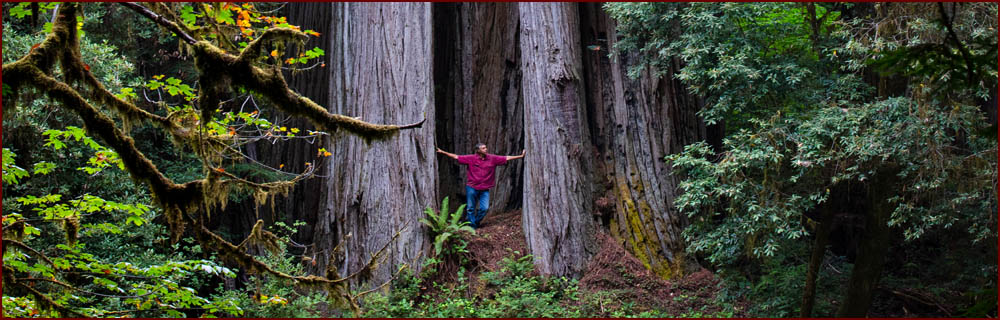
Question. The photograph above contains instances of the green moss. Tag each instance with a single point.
(642, 242)
(72, 227)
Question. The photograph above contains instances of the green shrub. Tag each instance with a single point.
(517, 294)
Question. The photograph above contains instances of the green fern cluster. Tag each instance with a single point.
(445, 226)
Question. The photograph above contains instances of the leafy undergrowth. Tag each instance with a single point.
(499, 280)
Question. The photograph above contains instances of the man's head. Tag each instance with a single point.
(481, 149)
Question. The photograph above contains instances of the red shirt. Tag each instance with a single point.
(480, 173)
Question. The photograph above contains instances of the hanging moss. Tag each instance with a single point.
(15, 231)
(262, 238)
(72, 227)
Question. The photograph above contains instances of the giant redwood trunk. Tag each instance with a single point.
(478, 93)
(381, 72)
(557, 212)
(635, 124)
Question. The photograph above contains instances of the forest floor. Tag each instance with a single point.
(612, 270)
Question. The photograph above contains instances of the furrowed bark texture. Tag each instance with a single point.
(557, 212)
(380, 71)
(478, 77)
(635, 124)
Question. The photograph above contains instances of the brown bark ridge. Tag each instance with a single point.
(635, 124)
(478, 95)
(381, 71)
(557, 212)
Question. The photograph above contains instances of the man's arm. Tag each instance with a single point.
(516, 157)
(450, 155)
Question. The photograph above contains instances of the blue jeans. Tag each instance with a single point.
(476, 204)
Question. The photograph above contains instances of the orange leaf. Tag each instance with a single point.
(86, 67)
(34, 46)
(327, 154)
(220, 169)
(106, 271)
(274, 53)
(290, 60)
(308, 164)
(281, 166)
(322, 65)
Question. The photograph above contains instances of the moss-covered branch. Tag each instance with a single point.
(239, 71)
(44, 301)
(270, 83)
(23, 246)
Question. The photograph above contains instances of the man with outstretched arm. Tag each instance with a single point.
(479, 180)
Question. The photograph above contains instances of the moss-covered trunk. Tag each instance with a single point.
(635, 123)
(558, 193)
(381, 71)
(478, 94)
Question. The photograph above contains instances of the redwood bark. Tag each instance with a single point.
(636, 123)
(478, 94)
(557, 212)
(380, 71)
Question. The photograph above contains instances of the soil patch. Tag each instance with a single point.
(499, 233)
(612, 269)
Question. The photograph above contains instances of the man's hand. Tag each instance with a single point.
(517, 157)
(450, 155)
